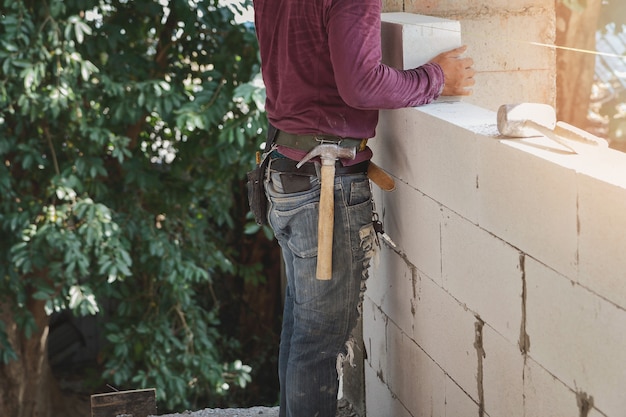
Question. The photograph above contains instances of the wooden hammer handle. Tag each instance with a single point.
(326, 223)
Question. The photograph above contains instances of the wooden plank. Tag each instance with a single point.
(138, 403)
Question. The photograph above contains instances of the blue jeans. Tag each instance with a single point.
(319, 316)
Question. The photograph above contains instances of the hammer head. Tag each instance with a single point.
(329, 153)
(512, 119)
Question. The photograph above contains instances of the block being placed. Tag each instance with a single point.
(410, 40)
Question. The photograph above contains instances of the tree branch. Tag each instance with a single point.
(46, 132)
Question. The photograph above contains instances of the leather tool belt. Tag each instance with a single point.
(299, 179)
(296, 180)
(289, 166)
(308, 142)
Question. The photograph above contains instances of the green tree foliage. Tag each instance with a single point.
(125, 130)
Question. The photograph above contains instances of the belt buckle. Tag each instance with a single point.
(360, 146)
(322, 140)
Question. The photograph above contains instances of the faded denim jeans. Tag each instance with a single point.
(319, 316)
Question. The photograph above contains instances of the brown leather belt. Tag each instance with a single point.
(308, 142)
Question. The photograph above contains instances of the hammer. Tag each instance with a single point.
(329, 153)
(526, 120)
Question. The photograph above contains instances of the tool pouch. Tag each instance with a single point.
(256, 192)
(256, 181)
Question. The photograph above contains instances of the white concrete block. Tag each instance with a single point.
(401, 32)
(444, 329)
(413, 221)
(484, 273)
(602, 237)
(400, 304)
(577, 336)
(595, 413)
(546, 396)
(435, 157)
(529, 199)
(378, 282)
(503, 376)
(375, 337)
(418, 382)
(379, 401)
(392, 287)
(382, 272)
(458, 403)
(472, 118)
(604, 164)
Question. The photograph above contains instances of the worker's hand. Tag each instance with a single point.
(458, 72)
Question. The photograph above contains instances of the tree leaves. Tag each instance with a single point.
(77, 27)
(126, 130)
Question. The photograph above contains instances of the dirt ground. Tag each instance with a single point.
(79, 406)
(344, 410)
(229, 412)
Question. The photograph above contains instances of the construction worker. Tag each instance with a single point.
(321, 64)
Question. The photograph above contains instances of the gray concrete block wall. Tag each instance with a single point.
(506, 294)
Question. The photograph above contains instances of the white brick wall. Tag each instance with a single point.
(503, 376)
(546, 396)
(478, 266)
(602, 240)
(577, 336)
(506, 294)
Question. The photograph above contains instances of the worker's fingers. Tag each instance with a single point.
(456, 52)
(467, 62)
(458, 72)
(458, 85)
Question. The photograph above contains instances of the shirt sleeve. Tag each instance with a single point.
(362, 80)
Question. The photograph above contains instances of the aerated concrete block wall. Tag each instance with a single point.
(506, 293)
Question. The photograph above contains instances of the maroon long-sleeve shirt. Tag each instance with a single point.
(321, 64)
